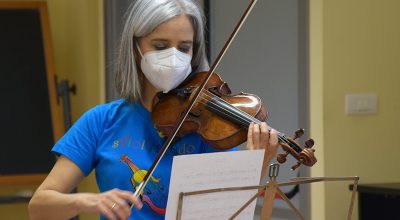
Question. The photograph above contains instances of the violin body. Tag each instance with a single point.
(207, 117)
(221, 119)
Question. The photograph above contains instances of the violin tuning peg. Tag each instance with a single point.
(309, 143)
(297, 164)
(282, 157)
(298, 133)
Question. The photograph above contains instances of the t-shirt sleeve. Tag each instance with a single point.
(80, 142)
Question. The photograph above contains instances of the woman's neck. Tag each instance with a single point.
(148, 95)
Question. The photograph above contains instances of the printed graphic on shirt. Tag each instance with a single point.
(152, 147)
(154, 195)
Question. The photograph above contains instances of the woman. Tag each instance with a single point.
(162, 43)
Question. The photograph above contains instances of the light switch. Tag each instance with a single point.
(361, 104)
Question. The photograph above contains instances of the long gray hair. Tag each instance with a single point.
(142, 18)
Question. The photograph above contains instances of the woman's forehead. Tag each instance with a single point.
(178, 28)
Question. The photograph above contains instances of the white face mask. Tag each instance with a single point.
(166, 69)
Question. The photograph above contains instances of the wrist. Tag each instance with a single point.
(77, 202)
(85, 202)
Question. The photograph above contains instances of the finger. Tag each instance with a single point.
(107, 212)
(264, 138)
(121, 209)
(273, 138)
(256, 136)
(250, 144)
(272, 148)
(129, 196)
(136, 202)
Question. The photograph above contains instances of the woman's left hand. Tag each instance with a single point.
(260, 137)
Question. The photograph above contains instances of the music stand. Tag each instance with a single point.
(270, 189)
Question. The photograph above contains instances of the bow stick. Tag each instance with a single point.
(184, 115)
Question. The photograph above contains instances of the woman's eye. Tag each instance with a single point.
(160, 46)
(185, 49)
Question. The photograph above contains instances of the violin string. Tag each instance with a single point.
(237, 116)
(281, 137)
(241, 118)
(248, 118)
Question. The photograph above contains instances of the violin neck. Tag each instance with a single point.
(242, 118)
(226, 110)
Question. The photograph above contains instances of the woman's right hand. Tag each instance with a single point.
(113, 204)
(52, 200)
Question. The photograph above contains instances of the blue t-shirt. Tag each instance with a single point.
(119, 140)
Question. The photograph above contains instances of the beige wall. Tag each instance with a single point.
(355, 48)
(77, 30)
(77, 37)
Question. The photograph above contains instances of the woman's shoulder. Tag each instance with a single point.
(107, 111)
(109, 106)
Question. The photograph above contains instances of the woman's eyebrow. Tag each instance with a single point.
(187, 41)
(160, 39)
(167, 40)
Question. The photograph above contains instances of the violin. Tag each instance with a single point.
(220, 118)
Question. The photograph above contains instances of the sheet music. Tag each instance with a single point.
(210, 171)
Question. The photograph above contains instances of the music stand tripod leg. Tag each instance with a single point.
(270, 191)
(290, 204)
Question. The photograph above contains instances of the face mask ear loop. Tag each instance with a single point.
(138, 48)
(139, 66)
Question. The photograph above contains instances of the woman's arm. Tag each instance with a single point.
(53, 201)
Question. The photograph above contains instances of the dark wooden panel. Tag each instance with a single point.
(29, 120)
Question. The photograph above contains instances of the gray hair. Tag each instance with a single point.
(142, 18)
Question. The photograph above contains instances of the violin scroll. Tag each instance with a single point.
(303, 155)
